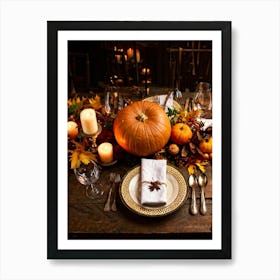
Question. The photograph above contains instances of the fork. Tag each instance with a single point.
(117, 181)
(112, 180)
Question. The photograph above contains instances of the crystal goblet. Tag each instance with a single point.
(203, 99)
(88, 175)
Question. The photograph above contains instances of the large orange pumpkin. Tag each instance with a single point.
(181, 133)
(142, 128)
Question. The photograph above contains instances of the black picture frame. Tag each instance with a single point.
(53, 27)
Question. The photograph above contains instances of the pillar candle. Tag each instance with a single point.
(105, 152)
(89, 121)
(72, 129)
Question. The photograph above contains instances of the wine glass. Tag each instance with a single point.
(203, 99)
(88, 175)
(107, 106)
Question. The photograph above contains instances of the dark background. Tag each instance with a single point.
(92, 63)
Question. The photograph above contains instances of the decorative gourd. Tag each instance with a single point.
(181, 133)
(142, 128)
(205, 145)
(173, 149)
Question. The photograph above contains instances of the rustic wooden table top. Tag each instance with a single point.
(87, 220)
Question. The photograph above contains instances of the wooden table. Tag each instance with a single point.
(87, 220)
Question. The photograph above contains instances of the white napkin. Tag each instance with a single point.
(152, 171)
(207, 123)
(161, 99)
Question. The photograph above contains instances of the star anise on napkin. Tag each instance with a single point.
(155, 186)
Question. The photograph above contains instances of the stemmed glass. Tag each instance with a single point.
(203, 99)
(88, 175)
(107, 106)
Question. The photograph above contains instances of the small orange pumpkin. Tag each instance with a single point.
(181, 133)
(205, 145)
(142, 128)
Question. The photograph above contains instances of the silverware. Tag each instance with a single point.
(107, 204)
(117, 181)
(202, 182)
(192, 184)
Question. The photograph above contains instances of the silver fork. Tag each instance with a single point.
(117, 181)
(112, 180)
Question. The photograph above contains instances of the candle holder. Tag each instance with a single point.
(107, 164)
(93, 137)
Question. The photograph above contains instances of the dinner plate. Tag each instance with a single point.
(176, 192)
(154, 99)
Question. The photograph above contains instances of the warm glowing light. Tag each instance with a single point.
(89, 121)
(105, 152)
(72, 129)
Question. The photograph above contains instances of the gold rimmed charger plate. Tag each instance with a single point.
(176, 192)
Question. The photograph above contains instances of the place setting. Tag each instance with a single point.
(153, 189)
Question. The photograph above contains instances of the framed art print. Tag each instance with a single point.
(139, 140)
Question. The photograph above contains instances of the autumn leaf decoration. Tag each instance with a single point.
(95, 102)
(188, 117)
(154, 186)
(80, 155)
(76, 104)
(199, 164)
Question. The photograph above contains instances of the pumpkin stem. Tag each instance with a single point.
(142, 117)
